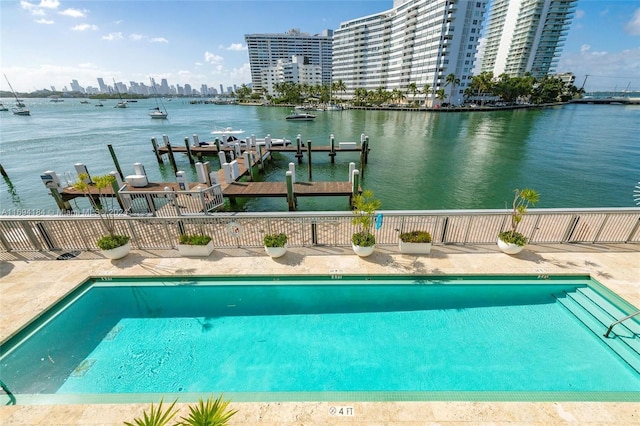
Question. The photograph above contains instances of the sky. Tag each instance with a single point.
(45, 43)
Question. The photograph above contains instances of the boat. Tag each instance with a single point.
(20, 108)
(122, 103)
(54, 98)
(300, 116)
(3, 108)
(84, 102)
(226, 131)
(99, 104)
(157, 112)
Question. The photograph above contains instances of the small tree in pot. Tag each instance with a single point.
(512, 241)
(113, 245)
(275, 244)
(364, 207)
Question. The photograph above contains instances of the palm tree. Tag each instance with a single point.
(426, 89)
(454, 81)
(413, 89)
(440, 95)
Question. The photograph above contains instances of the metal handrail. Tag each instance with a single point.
(619, 321)
(12, 398)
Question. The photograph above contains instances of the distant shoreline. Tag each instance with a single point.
(425, 109)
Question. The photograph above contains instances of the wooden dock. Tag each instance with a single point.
(279, 189)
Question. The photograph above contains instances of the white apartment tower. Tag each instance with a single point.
(292, 71)
(526, 36)
(417, 41)
(265, 50)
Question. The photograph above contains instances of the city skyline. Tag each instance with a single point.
(50, 42)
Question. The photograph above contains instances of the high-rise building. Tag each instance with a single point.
(265, 50)
(526, 36)
(416, 42)
(291, 71)
(103, 87)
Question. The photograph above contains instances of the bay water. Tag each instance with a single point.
(574, 155)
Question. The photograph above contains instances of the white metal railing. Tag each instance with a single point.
(198, 201)
(305, 229)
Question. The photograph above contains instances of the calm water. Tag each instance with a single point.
(391, 336)
(575, 155)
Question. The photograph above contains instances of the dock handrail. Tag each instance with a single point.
(619, 321)
(12, 398)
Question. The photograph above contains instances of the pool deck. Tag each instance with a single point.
(31, 282)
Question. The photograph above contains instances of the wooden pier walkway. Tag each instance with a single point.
(279, 189)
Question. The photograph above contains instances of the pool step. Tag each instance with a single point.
(597, 318)
(606, 313)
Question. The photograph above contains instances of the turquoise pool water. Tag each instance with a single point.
(353, 334)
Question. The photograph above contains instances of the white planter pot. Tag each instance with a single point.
(509, 248)
(276, 251)
(414, 248)
(189, 250)
(363, 251)
(118, 252)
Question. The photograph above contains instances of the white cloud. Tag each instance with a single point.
(158, 40)
(605, 69)
(84, 27)
(212, 58)
(44, 21)
(49, 4)
(579, 14)
(633, 26)
(585, 48)
(74, 13)
(113, 36)
(237, 47)
(136, 37)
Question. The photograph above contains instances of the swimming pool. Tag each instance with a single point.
(322, 338)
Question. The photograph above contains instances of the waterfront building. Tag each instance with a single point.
(526, 36)
(293, 71)
(265, 50)
(416, 42)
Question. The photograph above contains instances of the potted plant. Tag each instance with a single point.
(512, 241)
(275, 244)
(415, 242)
(113, 246)
(365, 205)
(195, 245)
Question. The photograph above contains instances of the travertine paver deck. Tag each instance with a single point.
(30, 283)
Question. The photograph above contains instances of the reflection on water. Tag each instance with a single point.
(575, 156)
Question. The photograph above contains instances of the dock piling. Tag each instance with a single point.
(188, 146)
(299, 148)
(154, 143)
(172, 159)
(291, 199)
(115, 161)
(309, 160)
(332, 153)
(2, 172)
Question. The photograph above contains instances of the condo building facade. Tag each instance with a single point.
(293, 71)
(417, 41)
(526, 36)
(272, 50)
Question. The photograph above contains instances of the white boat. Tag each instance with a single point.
(157, 112)
(20, 108)
(231, 140)
(300, 117)
(3, 108)
(226, 131)
(122, 103)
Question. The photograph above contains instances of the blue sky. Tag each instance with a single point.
(46, 43)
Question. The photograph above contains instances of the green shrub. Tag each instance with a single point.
(109, 242)
(210, 413)
(512, 237)
(156, 416)
(275, 240)
(416, 237)
(194, 239)
(363, 239)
